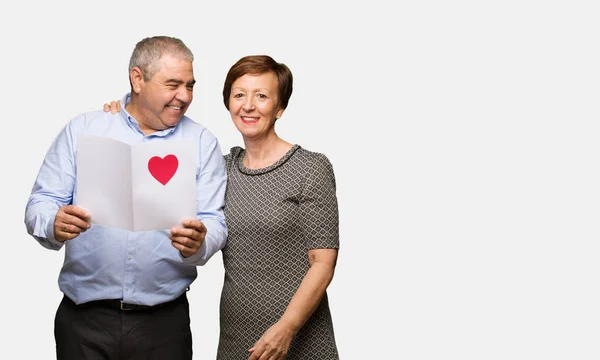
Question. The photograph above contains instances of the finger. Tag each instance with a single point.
(254, 346)
(182, 232)
(264, 354)
(115, 106)
(267, 354)
(63, 236)
(106, 108)
(187, 232)
(77, 222)
(275, 355)
(194, 224)
(178, 246)
(186, 242)
(76, 211)
(184, 250)
(73, 229)
(67, 217)
(253, 356)
(257, 351)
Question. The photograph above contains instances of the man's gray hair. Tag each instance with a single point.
(148, 52)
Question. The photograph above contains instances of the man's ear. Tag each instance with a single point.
(137, 79)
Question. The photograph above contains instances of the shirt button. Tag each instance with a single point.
(129, 257)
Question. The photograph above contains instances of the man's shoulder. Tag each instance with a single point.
(191, 127)
(188, 122)
(91, 119)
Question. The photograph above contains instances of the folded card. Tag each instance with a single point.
(148, 186)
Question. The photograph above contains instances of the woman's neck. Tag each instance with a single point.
(261, 153)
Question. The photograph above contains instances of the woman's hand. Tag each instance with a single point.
(113, 108)
(274, 344)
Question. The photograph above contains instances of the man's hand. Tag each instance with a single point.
(189, 238)
(69, 222)
(114, 107)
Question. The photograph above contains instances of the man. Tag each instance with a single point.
(124, 292)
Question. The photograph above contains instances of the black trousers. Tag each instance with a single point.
(101, 330)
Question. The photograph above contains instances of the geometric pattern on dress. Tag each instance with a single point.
(274, 216)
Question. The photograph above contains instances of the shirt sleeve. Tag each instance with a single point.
(211, 183)
(319, 206)
(52, 189)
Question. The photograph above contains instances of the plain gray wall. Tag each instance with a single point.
(463, 135)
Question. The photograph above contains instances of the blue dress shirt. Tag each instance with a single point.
(108, 263)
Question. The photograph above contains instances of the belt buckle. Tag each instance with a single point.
(127, 307)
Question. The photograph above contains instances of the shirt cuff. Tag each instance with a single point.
(50, 234)
(197, 257)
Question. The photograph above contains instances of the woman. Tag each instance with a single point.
(281, 212)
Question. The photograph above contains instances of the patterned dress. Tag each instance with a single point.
(274, 216)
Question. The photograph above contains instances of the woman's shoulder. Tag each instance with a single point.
(316, 169)
(313, 164)
(234, 153)
(312, 157)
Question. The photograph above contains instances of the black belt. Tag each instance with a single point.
(119, 304)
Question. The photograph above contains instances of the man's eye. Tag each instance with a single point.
(190, 87)
(172, 86)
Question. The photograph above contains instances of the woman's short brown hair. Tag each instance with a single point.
(260, 64)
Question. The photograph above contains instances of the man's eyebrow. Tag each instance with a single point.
(178, 81)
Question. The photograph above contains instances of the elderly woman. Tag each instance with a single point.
(282, 215)
(281, 212)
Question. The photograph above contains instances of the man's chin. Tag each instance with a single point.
(172, 122)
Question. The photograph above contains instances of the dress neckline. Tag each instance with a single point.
(275, 165)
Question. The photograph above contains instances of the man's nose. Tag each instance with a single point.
(184, 94)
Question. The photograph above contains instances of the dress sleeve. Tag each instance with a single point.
(319, 207)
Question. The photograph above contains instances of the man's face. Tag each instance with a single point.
(165, 97)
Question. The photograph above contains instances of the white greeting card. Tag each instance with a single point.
(149, 186)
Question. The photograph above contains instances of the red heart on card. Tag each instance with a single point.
(163, 169)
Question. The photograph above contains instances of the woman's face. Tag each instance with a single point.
(254, 105)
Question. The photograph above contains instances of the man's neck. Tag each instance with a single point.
(140, 118)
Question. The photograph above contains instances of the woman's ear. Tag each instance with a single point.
(279, 113)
